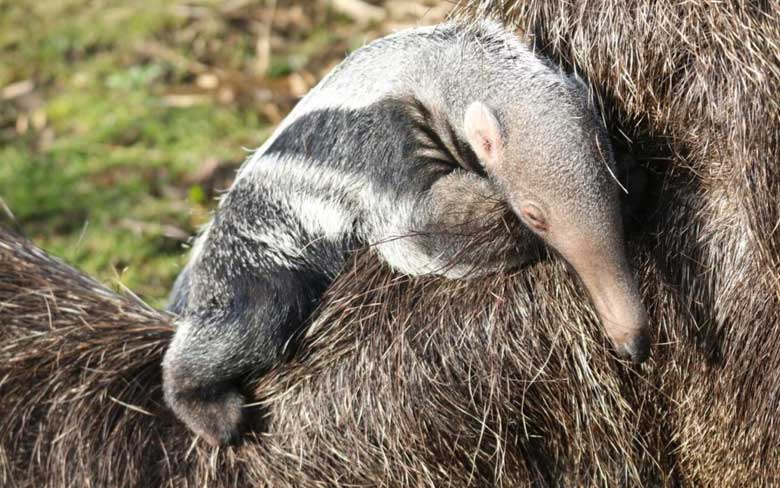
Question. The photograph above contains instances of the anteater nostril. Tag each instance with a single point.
(637, 349)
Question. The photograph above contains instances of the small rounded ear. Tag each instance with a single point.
(534, 217)
(483, 133)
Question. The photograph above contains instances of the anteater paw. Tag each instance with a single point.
(218, 419)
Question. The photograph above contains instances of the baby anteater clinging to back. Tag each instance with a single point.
(405, 147)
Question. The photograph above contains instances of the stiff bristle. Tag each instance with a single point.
(507, 380)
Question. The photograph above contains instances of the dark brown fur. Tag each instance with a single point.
(704, 79)
(507, 380)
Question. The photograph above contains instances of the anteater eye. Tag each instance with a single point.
(534, 217)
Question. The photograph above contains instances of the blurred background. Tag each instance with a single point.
(120, 122)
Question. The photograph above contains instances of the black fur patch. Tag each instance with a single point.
(382, 142)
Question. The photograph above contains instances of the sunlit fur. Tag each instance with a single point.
(502, 384)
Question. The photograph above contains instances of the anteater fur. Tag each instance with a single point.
(376, 155)
(506, 380)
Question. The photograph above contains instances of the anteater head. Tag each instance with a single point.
(552, 160)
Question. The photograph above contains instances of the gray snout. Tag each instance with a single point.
(615, 296)
(638, 349)
(619, 306)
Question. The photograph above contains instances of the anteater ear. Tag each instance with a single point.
(483, 133)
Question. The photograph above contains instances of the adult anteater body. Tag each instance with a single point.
(500, 381)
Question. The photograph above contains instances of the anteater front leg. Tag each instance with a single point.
(459, 227)
(252, 285)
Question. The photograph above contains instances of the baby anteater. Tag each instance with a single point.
(405, 147)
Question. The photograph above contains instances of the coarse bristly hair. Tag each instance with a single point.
(505, 380)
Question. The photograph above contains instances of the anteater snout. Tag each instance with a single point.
(619, 307)
(637, 347)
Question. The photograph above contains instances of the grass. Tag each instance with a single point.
(107, 151)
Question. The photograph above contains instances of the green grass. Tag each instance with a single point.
(111, 168)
